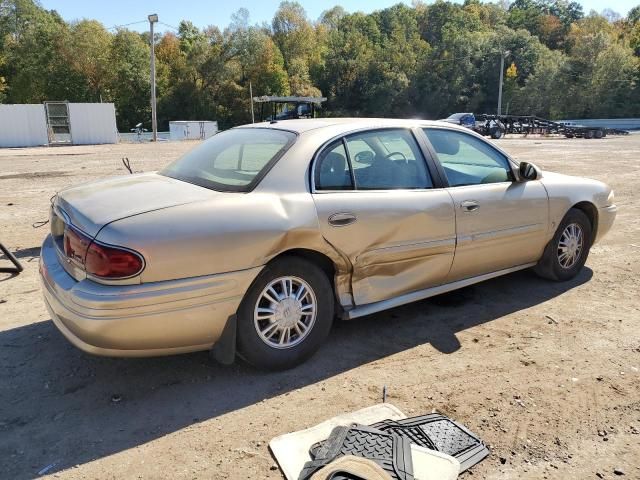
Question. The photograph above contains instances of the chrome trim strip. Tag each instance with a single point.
(426, 293)
(504, 232)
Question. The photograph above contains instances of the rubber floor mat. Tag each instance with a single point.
(437, 432)
(391, 452)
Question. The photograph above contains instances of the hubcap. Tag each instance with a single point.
(570, 245)
(285, 312)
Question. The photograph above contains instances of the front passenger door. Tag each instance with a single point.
(500, 223)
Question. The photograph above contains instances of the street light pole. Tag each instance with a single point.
(502, 57)
(154, 122)
(253, 120)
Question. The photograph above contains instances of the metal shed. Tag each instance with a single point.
(23, 126)
(93, 123)
(57, 123)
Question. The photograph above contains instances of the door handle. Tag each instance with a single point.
(342, 219)
(470, 206)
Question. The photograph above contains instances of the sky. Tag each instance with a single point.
(213, 12)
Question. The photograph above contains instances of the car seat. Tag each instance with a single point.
(333, 175)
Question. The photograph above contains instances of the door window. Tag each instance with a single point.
(386, 160)
(468, 160)
(332, 170)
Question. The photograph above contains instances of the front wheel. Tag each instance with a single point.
(566, 254)
(285, 315)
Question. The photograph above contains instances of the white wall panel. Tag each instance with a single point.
(23, 126)
(93, 123)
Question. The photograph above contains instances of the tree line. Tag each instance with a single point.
(426, 61)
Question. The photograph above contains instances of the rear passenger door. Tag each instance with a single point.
(377, 203)
(500, 223)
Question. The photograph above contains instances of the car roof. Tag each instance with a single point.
(346, 124)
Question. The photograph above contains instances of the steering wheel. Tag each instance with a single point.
(388, 157)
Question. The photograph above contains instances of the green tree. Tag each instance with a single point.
(86, 50)
(130, 84)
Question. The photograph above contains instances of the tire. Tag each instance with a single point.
(553, 265)
(497, 134)
(273, 349)
(589, 134)
(568, 135)
(599, 134)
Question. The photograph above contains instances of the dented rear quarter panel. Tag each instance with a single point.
(236, 232)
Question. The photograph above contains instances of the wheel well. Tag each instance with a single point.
(322, 261)
(317, 258)
(590, 210)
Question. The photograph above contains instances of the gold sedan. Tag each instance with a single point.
(256, 239)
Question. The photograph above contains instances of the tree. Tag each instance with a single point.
(86, 50)
(130, 85)
(428, 60)
(540, 94)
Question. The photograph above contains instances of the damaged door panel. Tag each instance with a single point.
(401, 242)
(396, 230)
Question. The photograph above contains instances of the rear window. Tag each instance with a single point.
(234, 160)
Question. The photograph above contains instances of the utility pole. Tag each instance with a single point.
(502, 57)
(153, 18)
(251, 98)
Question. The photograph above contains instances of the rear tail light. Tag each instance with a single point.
(102, 261)
(112, 262)
(75, 244)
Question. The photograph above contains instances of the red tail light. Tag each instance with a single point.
(111, 262)
(101, 260)
(75, 244)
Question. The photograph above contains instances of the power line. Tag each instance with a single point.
(126, 24)
(170, 26)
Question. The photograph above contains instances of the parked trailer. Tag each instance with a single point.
(495, 126)
(528, 124)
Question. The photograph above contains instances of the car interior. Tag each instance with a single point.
(380, 160)
(467, 160)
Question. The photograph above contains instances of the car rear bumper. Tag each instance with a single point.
(159, 318)
(606, 216)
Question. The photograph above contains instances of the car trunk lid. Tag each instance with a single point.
(93, 205)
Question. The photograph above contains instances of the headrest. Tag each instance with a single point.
(334, 162)
(443, 142)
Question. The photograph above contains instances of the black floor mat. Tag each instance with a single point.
(392, 452)
(440, 433)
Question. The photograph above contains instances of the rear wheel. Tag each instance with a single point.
(566, 254)
(599, 134)
(589, 134)
(285, 315)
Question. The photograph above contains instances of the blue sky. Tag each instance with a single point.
(203, 13)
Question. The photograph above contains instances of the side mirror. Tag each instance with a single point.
(529, 171)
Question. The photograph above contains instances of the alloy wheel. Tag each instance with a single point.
(570, 245)
(285, 312)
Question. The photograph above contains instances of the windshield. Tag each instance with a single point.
(234, 160)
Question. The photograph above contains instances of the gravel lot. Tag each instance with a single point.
(546, 373)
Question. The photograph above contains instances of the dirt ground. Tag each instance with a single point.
(546, 373)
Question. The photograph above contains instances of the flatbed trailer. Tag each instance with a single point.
(530, 124)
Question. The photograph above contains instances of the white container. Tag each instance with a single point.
(92, 123)
(192, 130)
(23, 126)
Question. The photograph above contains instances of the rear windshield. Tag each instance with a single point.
(234, 160)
